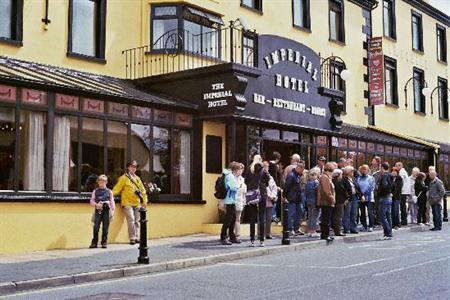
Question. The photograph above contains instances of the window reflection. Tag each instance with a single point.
(162, 159)
(7, 145)
(92, 153)
(117, 150)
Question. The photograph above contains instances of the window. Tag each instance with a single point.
(443, 98)
(390, 81)
(92, 153)
(336, 82)
(301, 13)
(254, 4)
(11, 12)
(185, 28)
(249, 43)
(417, 32)
(389, 18)
(419, 98)
(87, 22)
(7, 146)
(441, 42)
(117, 150)
(336, 20)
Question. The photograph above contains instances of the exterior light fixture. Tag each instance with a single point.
(346, 74)
(431, 94)
(426, 91)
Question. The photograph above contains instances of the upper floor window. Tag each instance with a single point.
(443, 98)
(336, 19)
(11, 20)
(301, 13)
(417, 32)
(336, 82)
(389, 18)
(249, 41)
(87, 22)
(390, 81)
(441, 42)
(254, 4)
(185, 28)
(419, 98)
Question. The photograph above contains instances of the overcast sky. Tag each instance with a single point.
(443, 5)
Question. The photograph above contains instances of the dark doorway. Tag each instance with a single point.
(286, 150)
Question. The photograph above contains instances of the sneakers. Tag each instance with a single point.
(370, 229)
(252, 244)
(261, 243)
(298, 232)
(387, 237)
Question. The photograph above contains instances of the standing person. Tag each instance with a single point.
(427, 183)
(326, 200)
(240, 202)
(257, 180)
(292, 193)
(351, 209)
(396, 198)
(103, 201)
(342, 198)
(436, 192)
(384, 192)
(420, 190)
(366, 184)
(274, 171)
(412, 199)
(311, 200)
(132, 196)
(406, 193)
(342, 163)
(232, 187)
(321, 163)
(375, 170)
(295, 159)
(272, 195)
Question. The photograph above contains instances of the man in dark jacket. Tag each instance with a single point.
(436, 193)
(396, 198)
(384, 192)
(292, 193)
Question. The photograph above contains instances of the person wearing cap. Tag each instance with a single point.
(132, 196)
(321, 163)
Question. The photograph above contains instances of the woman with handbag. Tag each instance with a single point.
(257, 180)
(132, 197)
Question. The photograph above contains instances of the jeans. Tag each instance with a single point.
(325, 221)
(370, 211)
(101, 216)
(385, 206)
(396, 213)
(294, 215)
(228, 224)
(412, 210)
(403, 210)
(350, 215)
(437, 216)
(133, 217)
(313, 216)
(257, 213)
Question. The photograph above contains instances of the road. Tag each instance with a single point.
(414, 265)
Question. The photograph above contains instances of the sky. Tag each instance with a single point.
(443, 5)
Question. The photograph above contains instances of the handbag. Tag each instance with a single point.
(253, 197)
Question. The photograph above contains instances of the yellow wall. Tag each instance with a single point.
(405, 120)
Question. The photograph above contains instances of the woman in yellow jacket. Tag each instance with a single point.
(133, 195)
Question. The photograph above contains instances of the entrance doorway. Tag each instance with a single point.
(286, 149)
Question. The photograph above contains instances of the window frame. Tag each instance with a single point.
(415, 14)
(252, 36)
(341, 34)
(100, 34)
(443, 46)
(257, 6)
(337, 65)
(16, 38)
(440, 100)
(422, 96)
(392, 19)
(390, 64)
(308, 16)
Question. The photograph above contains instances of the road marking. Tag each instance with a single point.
(411, 267)
(247, 265)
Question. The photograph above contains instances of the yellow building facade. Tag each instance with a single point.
(108, 72)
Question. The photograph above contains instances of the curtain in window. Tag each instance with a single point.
(61, 154)
(185, 162)
(34, 148)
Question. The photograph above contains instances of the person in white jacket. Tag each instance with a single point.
(240, 203)
(406, 192)
(412, 199)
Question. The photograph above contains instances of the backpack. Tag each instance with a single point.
(220, 189)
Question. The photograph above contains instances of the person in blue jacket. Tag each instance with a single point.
(366, 185)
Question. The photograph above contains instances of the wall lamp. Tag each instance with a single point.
(432, 92)
(426, 91)
(239, 22)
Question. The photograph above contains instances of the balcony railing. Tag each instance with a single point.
(182, 50)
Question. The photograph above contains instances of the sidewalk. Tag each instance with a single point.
(45, 269)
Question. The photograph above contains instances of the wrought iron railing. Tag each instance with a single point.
(182, 50)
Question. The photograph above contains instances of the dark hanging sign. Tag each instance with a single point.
(287, 90)
(376, 71)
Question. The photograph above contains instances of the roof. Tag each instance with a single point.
(48, 76)
(381, 137)
(406, 137)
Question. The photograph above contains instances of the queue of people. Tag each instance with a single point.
(331, 196)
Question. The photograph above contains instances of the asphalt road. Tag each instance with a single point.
(414, 265)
